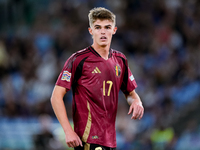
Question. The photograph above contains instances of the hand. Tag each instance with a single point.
(73, 140)
(137, 109)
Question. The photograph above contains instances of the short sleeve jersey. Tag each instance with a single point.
(95, 83)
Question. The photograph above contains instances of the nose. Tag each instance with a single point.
(102, 31)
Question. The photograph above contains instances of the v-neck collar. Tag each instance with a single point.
(97, 54)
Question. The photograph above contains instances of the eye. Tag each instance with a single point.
(97, 27)
(108, 27)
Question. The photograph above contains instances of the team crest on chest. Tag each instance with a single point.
(117, 70)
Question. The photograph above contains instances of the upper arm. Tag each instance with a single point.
(58, 92)
(128, 81)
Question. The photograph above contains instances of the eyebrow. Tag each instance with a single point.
(104, 26)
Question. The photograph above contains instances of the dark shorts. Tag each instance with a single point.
(87, 146)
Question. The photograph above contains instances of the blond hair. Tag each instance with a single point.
(102, 14)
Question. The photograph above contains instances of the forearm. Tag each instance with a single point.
(72, 139)
(133, 96)
(61, 114)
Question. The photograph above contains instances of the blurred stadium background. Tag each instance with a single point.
(161, 39)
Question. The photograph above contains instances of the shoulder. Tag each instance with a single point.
(80, 53)
(77, 57)
(119, 54)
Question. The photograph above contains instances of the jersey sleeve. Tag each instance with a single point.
(65, 79)
(129, 83)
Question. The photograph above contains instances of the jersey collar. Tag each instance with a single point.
(97, 54)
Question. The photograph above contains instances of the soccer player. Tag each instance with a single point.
(95, 74)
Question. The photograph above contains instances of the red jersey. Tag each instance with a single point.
(95, 84)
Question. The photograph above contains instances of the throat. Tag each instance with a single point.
(104, 54)
(106, 57)
(102, 51)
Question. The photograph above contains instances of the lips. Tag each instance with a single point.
(103, 38)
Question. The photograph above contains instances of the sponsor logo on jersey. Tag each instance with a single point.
(95, 137)
(131, 78)
(96, 70)
(117, 70)
(66, 76)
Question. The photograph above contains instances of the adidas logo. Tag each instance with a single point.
(96, 70)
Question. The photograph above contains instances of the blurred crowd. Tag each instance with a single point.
(161, 39)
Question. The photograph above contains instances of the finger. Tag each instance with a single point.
(130, 110)
(69, 144)
(80, 142)
(76, 143)
(134, 116)
(139, 112)
(142, 113)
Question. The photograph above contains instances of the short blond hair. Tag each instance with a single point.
(102, 14)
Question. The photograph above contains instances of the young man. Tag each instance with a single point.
(95, 74)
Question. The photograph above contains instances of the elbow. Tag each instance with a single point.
(52, 99)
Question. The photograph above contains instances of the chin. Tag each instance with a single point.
(103, 44)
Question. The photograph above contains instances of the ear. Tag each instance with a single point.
(114, 30)
(90, 30)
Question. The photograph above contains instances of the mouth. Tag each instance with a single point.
(103, 38)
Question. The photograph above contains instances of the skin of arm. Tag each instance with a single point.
(136, 106)
(72, 139)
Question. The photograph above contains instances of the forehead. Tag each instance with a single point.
(103, 22)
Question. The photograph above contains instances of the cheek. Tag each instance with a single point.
(110, 34)
(95, 37)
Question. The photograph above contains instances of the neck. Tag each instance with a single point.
(102, 51)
